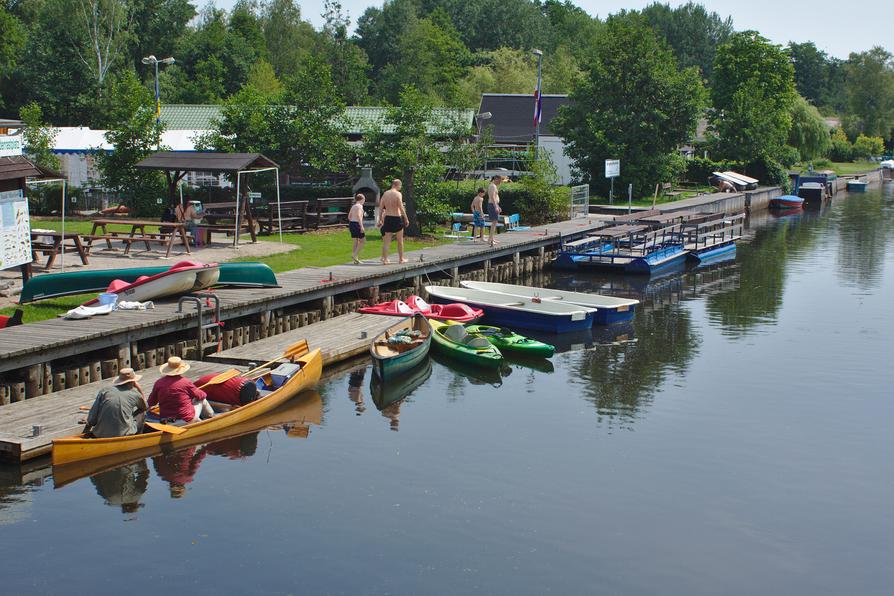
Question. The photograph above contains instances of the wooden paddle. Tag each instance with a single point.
(222, 377)
(166, 428)
(295, 350)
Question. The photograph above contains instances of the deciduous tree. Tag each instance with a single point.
(809, 133)
(870, 90)
(632, 102)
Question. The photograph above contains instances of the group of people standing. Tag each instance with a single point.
(392, 219)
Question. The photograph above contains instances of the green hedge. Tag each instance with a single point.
(699, 169)
(534, 208)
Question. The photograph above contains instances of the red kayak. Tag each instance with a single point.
(14, 320)
(439, 312)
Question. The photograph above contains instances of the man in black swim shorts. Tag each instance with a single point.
(392, 220)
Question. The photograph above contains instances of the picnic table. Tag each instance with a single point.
(167, 233)
(53, 247)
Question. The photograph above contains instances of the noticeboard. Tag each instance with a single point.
(612, 168)
(15, 230)
(10, 146)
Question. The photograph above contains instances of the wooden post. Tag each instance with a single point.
(293, 321)
(72, 377)
(109, 369)
(123, 356)
(141, 362)
(328, 304)
(84, 374)
(486, 270)
(59, 383)
(33, 378)
(4, 395)
(17, 391)
(254, 332)
(237, 336)
(263, 324)
(454, 277)
(302, 319)
(47, 378)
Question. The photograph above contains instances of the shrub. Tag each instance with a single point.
(515, 197)
(699, 169)
(841, 150)
(866, 147)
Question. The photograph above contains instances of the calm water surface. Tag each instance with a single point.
(735, 439)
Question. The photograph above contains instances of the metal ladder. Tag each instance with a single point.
(199, 300)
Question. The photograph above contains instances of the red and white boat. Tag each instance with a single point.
(462, 313)
(181, 278)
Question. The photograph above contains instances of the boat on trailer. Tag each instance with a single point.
(518, 311)
(609, 309)
(298, 369)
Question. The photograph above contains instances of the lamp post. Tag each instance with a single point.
(155, 62)
(538, 103)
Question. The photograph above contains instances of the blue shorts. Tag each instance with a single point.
(478, 219)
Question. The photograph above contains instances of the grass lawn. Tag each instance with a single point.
(312, 249)
(647, 201)
(853, 167)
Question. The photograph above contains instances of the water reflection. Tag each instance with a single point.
(864, 227)
(389, 396)
(355, 389)
(123, 487)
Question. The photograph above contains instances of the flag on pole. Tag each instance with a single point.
(538, 105)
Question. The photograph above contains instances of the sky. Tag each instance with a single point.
(837, 28)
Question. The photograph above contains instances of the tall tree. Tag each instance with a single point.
(101, 30)
(380, 30)
(12, 41)
(752, 95)
(39, 138)
(692, 32)
(134, 135)
(349, 64)
(289, 38)
(156, 27)
(632, 102)
(809, 134)
(870, 85)
(811, 71)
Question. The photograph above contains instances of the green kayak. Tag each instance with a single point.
(510, 342)
(453, 340)
(53, 285)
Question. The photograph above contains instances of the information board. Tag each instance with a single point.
(15, 230)
(10, 146)
(612, 168)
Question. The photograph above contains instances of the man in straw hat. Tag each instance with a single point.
(118, 410)
(178, 399)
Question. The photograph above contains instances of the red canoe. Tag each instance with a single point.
(439, 312)
(185, 276)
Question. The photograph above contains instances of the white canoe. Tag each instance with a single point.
(517, 311)
(610, 309)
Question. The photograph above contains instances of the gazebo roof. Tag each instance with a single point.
(200, 161)
(19, 166)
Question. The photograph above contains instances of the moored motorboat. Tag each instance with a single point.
(414, 304)
(509, 342)
(609, 309)
(452, 340)
(857, 185)
(298, 378)
(786, 202)
(53, 285)
(401, 347)
(519, 311)
(181, 278)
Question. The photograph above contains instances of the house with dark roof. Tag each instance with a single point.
(511, 124)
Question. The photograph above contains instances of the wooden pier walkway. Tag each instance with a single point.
(338, 338)
(37, 343)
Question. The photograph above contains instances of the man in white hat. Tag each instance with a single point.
(178, 399)
(118, 410)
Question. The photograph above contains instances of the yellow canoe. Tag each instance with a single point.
(295, 416)
(78, 448)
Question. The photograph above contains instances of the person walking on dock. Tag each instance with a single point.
(493, 205)
(177, 397)
(118, 410)
(477, 208)
(392, 220)
(355, 226)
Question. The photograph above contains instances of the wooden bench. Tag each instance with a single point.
(221, 217)
(330, 212)
(292, 215)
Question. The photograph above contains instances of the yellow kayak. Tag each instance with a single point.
(79, 448)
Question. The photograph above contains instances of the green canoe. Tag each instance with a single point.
(453, 340)
(512, 343)
(53, 285)
(401, 347)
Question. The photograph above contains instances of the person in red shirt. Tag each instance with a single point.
(177, 397)
(232, 392)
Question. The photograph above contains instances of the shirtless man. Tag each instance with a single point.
(393, 220)
(493, 205)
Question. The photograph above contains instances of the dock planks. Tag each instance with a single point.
(58, 414)
(27, 345)
(338, 338)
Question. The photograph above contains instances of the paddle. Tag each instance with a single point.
(295, 350)
(166, 428)
(222, 377)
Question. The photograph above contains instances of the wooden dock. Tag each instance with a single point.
(339, 338)
(58, 414)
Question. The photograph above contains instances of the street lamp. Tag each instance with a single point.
(538, 103)
(155, 62)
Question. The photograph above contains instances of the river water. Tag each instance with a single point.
(735, 439)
